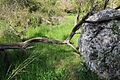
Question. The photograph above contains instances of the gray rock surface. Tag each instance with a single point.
(100, 44)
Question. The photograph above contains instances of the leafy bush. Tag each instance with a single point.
(19, 11)
(20, 14)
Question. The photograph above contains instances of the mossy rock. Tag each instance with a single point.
(99, 44)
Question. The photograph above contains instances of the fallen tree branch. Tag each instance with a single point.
(11, 46)
(77, 26)
(28, 42)
(25, 44)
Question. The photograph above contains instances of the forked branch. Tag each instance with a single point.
(25, 44)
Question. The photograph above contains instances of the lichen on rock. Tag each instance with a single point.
(99, 44)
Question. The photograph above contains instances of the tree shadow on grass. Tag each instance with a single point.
(15, 57)
(55, 62)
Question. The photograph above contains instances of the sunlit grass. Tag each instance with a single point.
(54, 62)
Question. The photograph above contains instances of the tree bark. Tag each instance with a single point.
(28, 42)
(25, 44)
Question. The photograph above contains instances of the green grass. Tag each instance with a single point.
(52, 61)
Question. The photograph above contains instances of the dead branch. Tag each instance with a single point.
(11, 46)
(28, 42)
(106, 3)
(77, 26)
(25, 44)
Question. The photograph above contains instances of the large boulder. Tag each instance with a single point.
(99, 44)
